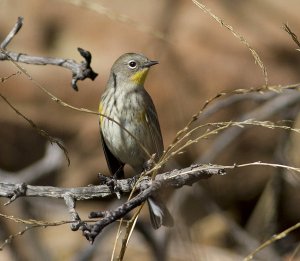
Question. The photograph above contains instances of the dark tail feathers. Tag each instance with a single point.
(159, 214)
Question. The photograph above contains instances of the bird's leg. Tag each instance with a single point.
(111, 182)
(149, 164)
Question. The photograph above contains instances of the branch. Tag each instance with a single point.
(146, 186)
(80, 71)
(174, 179)
(12, 33)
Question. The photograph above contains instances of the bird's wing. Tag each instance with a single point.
(116, 167)
(154, 128)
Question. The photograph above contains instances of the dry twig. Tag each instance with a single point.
(272, 240)
(80, 71)
(175, 179)
(292, 34)
(237, 35)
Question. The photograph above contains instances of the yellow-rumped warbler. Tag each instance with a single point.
(127, 102)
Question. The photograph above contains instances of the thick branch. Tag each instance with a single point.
(80, 71)
(146, 186)
(175, 179)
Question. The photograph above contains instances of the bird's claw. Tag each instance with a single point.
(111, 182)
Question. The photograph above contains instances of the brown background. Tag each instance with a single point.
(198, 59)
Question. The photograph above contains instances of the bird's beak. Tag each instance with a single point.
(149, 63)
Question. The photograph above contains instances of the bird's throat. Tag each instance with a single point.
(140, 76)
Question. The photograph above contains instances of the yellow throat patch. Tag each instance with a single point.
(140, 76)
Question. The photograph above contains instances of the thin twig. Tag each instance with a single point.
(129, 229)
(40, 131)
(80, 72)
(64, 104)
(12, 33)
(265, 111)
(31, 224)
(195, 117)
(274, 238)
(4, 79)
(292, 34)
(238, 36)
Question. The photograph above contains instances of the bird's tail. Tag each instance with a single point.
(159, 214)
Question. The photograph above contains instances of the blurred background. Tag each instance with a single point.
(222, 218)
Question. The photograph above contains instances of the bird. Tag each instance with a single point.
(131, 134)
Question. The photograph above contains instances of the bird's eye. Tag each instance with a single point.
(132, 64)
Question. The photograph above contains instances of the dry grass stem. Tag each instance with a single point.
(30, 224)
(238, 36)
(187, 136)
(293, 35)
(4, 79)
(40, 131)
(272, 240)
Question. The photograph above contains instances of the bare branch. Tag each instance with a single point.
(12, 33)
(146, 186)
(80, 71)
(174, 178)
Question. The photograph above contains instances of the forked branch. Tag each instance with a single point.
(145, 186)
(80, 71)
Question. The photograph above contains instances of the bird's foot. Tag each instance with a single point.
(111, 182)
